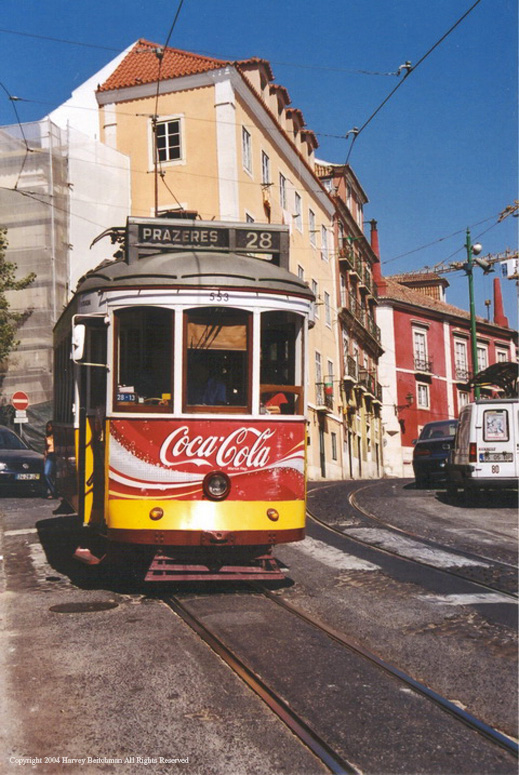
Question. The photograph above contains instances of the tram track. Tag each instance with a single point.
(327, 751)
(297, 725)
(475, 574)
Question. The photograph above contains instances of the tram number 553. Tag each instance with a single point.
(219, 297)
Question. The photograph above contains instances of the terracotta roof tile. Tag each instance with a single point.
(141, 65)
(399, 292)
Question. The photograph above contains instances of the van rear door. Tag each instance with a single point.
(498, 437)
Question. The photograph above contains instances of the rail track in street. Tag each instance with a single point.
(336, 754)
(488, 574)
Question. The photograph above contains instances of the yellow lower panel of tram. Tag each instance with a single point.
(205, 515)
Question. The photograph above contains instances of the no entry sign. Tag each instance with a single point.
(20, 400)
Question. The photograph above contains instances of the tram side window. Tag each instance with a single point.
(281, 375)
(216, 363)
(144, 359)
(63, 381)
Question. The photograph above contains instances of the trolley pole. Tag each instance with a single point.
(469, 267)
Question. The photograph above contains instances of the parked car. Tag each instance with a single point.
(486, 447)
(432, 449)
(21, 468)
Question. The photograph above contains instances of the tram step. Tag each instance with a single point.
(165, 568)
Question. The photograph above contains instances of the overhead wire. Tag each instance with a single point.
(156, 159)
(13, 100)
(409, 68)
(233, 58)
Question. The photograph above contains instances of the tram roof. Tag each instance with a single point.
(194, 269)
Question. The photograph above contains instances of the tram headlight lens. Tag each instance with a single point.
(273, 514)
(217, 485)
(156, 513)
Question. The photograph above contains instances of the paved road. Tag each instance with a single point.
(93, 669)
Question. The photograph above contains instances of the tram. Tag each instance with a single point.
(180, 404)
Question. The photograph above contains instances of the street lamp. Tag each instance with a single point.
(474, 250)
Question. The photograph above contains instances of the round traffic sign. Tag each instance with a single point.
(20, 400)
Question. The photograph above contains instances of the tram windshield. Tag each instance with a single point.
(281, 371)
(144, 359)
(217, 359)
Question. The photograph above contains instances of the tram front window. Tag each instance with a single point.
(145, 361)
(217, 360)
(281, 390)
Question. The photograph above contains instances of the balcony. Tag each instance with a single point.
(360, 314)
(462, 373)
(351, 370)
(367, 380)
(324, 396)
(347, 257)
(422, 365)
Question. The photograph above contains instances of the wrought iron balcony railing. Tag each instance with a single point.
(422, 364)
(462, 373)
(324, 394)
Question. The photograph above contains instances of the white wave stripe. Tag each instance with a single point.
(131, 471)
(127, 465)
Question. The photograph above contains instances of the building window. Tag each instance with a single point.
(334, 446)
(169, 140)
(502, 356)
(463, 398)
(318, 367)
(421, 362)
(422, 394)
(265, 169)
(298, 221)
(311, 227)
(315, 291)
(482, 356)
(300, 272)
(327, 310)
(460, 360)
(342, 234)
(282, 191)
(348, 197)
(246, 147)
(324, 243)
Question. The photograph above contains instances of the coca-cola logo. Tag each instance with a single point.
(244, 447)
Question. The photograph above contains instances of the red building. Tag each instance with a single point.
(427, 364)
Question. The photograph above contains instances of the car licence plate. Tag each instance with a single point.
(25, 477)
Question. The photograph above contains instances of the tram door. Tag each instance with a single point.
(91, 447)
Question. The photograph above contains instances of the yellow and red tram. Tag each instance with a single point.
(180, 418)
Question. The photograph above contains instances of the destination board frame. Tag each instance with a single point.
(145, 235)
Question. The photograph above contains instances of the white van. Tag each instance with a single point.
(486, 446)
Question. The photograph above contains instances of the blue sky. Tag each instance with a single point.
(440, 156)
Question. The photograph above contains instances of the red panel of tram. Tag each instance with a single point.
(169, 459)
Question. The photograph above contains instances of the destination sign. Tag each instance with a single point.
(175, 234)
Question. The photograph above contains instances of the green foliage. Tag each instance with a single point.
(9, 321)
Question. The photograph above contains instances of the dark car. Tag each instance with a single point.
(21, 468)
(432, 449)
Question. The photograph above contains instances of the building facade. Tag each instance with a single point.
(426, 366)
(360, 338)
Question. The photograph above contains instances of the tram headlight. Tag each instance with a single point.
(217, 485)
